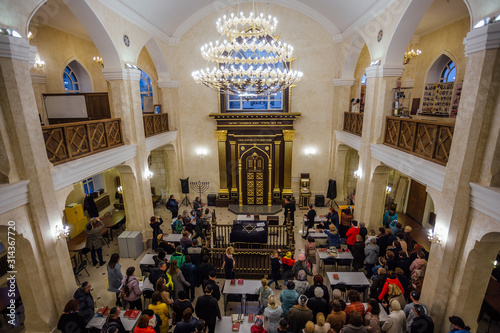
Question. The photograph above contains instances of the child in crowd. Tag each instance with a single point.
(275, 269)
(288, 263)
(263, 291)
(178, 226)
(310, 251)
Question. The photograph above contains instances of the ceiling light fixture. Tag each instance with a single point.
(253, 61)
(130, 66)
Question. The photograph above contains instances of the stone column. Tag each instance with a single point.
(48, 266)
(125, 97)
(287, 179)
(378, 101)
(479, 107)
(38, 80)
(339, 174)
(221, 141)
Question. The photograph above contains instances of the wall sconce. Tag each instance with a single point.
(388, 189)
(202, 153)
(130, 66)
(98, 60)
(119, 189)
(10, 32)
(39, 64)
(357, 173)
(150, 174)
(375, 62)
(30, 36)
(433, 238)
(62, 233)
(310, 152)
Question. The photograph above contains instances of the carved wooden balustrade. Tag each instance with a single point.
(67, 142)
(353, 123)
(155, 123)
(426, 139)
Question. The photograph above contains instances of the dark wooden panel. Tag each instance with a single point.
(416, 201)
(102, 202)
(97, 106)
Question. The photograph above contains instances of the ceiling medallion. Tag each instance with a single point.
(126, 40)
(380, 35)
(252, 62)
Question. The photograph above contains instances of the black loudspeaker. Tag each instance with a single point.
(332, 189)
(211, 199)
(319, 201)
(185, 185)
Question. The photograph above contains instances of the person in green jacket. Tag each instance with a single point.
(178, 226)
(179, 256)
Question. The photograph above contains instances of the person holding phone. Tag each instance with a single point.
(155, 223)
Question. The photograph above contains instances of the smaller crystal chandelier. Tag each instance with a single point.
(252, 63)
(411, 55)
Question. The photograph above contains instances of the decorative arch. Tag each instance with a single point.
(435, 62)
(82, 72)
(352, 57)
(158, 59)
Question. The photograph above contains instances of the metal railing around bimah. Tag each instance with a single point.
(426, 139)
(250, 263)
(155, 123)
(353, 123)
(67, 142)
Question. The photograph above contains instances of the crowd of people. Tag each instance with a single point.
(391, 259)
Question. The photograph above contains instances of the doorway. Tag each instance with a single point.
(255, 178)
(416, 201)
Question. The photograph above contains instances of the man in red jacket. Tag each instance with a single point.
(351, 235)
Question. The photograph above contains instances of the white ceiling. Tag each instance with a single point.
(173, 17)
(440, 14)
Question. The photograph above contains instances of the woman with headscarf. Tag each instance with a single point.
(318, 282)
(396, 321)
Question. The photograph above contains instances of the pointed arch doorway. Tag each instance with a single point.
(254, 176)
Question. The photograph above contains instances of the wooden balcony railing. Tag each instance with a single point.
(67, 142)
(427, 139)
(155, 123)
(353, 123)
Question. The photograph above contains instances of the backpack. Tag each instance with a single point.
(125, 291)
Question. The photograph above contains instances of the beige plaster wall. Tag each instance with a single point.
(449, 40)
(158, 167)
(352, 163)
(14, 14)
(57, 49)
(312, 97)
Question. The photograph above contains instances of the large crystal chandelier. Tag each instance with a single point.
(252, 62)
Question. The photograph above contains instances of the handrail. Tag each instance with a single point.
(353, 123)
(423, 138)
(155, 124)
(70, 141)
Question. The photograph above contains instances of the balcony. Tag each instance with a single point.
(155, 124)
(426, 139)
(353, 123)
(70, 141)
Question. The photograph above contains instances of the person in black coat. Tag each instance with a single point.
(173, 206)
(318, 283)
(382, 241)
(85, 301)
(155, 223)
(211, 282)
(158, 273)
(115, 321)
(207, 308)
(378, 283)
(358, 252)
(318, 304)
(204, 269)
(289, 208)
(70, 321)
(196, 252)
(180, 304)
(311, 214)
(404, 263)
(422, 323)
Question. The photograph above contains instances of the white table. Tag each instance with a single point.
(323, 255)
(226, 325)
(98, 322)
(146, 285)
(147, 260)
(245, 217)
(317, 219)
(248, 287)
(173, 238)
(349, 278)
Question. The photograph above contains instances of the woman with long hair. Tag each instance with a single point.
(115, 276)
(131, 291)
(165, 289)
(372, 320)
(229, 263)
(177, 278)
(70, 321)
(160, 309)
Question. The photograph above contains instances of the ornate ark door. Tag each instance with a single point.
(255, 178)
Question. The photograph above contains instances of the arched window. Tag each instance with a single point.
(71, 84)
(363, 80)
(146, 87)
(448, 73)
(362, 94)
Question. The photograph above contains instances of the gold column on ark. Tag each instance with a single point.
(234, 188)
(287, 180)
(221, 140)
(276, 190)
